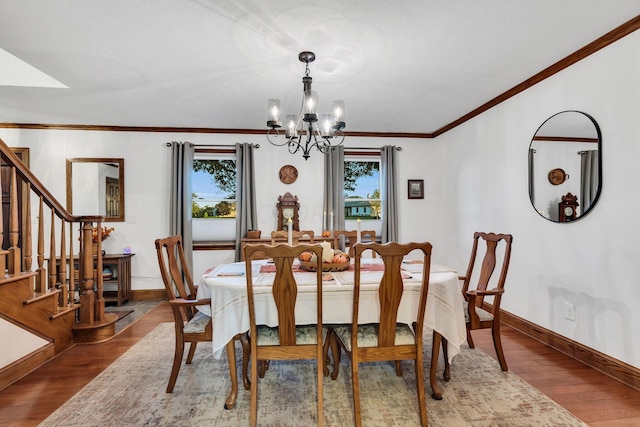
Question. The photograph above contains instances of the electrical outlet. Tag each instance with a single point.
(569, 311)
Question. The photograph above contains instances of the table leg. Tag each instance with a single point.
(445, 352)
(436, 391)
(230, 403)
(246, 353)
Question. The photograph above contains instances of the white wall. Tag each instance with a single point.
(475, 180)
(147, 179)
(589, 263)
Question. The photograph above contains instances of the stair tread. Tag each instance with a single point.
(38, 296)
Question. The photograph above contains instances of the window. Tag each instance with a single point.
(362, 193)
(213, 183)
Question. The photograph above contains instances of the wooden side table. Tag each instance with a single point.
(120, 265)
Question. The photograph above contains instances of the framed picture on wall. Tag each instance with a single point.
(416, 188)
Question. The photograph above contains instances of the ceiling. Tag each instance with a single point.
(400, 66)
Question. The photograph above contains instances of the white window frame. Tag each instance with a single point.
(214, 229)
(366, 224)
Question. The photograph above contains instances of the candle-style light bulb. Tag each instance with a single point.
(273, 110)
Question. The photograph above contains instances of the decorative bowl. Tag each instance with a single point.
(326, 266)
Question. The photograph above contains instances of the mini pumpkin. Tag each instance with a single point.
(305, 256)
(340, 258)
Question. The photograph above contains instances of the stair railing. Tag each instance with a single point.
(55, 271)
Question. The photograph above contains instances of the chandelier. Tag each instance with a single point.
(318, 135)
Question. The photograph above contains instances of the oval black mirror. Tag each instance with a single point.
(565, 166)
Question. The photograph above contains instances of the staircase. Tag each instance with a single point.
(41, 298)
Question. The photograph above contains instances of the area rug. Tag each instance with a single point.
(121, 314)
(131, 392)
(131, 311)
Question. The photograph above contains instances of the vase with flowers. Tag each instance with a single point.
(106, 231)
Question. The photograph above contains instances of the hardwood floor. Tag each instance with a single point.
(591, 395)
(587, 393)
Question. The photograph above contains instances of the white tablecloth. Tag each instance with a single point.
(226, 286)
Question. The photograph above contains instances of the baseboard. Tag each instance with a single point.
(148, 294)
(616, 369)
(27, 364)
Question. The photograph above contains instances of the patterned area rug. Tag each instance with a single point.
(131, 311)
(131, 392)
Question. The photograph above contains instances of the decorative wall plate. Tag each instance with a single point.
(557, 176)
(288, 174)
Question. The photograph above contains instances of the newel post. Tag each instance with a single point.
(87, 296)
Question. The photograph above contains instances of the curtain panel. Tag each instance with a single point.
(389, 194)
(246, 212)
(589, 179)
(333, 200)
(180, 218)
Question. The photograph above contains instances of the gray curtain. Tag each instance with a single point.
(333, 200)
(389, 194)
(246, 213)
(589, 179)
(180, 195)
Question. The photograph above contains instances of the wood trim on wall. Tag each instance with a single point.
(167, 129)
(148, 294)
(616, 369)
(612, 36)
(600, 43)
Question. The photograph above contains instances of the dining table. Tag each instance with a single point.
(226, 286)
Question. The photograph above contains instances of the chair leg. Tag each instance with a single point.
(470, 339)
(325, 354)
(398, 368)
(246, 354)
(336, 351)
(446, 375)
(262, 367)
(321, 375)
(253, 417)
(422, 401)
(177, 361)
(356, 393)
(497, 344)
(192, 351)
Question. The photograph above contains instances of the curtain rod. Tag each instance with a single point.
(216, 145)
(368, 148)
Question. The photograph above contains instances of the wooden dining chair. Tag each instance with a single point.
(285, 341)
(345, 239)
(387, 339)
(478, 313)
(282, 236)
(191, 325)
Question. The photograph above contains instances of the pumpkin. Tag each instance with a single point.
(340, 258)
(305, 256)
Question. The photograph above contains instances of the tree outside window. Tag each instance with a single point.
(214, 197)
(362, 189)
(214, 188)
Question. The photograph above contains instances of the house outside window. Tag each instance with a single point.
(214, 187)
(362, 193)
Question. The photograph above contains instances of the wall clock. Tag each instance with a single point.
(567, 208)
(557, 176)
(288, 174)
(288, 207)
